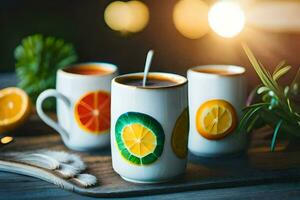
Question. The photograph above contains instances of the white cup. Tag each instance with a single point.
(80, 100)
(207, 87)
(159, 154)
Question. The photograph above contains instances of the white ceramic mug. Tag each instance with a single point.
(83, 106)
(209, 86)
(149, 131)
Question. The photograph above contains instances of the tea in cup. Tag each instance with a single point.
(149, 129)
(83, 105)
(217, 95)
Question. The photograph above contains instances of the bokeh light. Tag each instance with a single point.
(6, 139)
(275, 16)
(227, 19)
(131, 16)
(190, 18)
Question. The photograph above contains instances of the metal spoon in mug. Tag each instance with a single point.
(147, 66)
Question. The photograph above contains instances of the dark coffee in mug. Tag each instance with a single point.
(153, 80)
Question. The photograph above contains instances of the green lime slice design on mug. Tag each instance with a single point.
(140, 138)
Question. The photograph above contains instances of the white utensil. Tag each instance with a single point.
(147, 66)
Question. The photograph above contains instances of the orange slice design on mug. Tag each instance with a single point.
(215, 119)
(92, 112)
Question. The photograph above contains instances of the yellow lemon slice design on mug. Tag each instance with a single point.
(139, 137)
(215, 119)
(180, 135)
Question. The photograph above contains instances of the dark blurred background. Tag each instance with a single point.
(81, 22)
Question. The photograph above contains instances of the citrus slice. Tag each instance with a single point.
(92, 112)
(180, 135)
(139, 137)
(14, 108)
(215, 119)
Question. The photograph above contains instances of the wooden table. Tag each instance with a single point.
(14, 186)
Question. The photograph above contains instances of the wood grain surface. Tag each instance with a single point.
(257, 166)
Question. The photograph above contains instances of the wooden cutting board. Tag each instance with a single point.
(257, 166)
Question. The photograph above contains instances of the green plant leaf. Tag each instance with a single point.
(289, 105)
(297, 115)
(281, 72)
(263, 89)
(255, 105)
(276, 130)
(295, 83)
(281, 110)
(37, 60)
(247, 116)
(279, 66)
(252, 123)
(263, 74)
(286, 91)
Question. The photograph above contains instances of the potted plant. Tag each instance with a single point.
(273, 104)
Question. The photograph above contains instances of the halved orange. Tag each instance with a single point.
(92, 112)
(14, 108)
(215, 119)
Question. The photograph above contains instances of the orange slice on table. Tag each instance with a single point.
(215, 119)
(92, 112)
(14, 108)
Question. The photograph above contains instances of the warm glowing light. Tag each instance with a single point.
(6, 139)
(276, 16)
(227, 19)
(190, 18)
(140, 16)
(131, 16)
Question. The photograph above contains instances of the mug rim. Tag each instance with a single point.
(183, 80)
(235, 69)
(105, 65)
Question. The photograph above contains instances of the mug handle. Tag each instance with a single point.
(39, 107)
